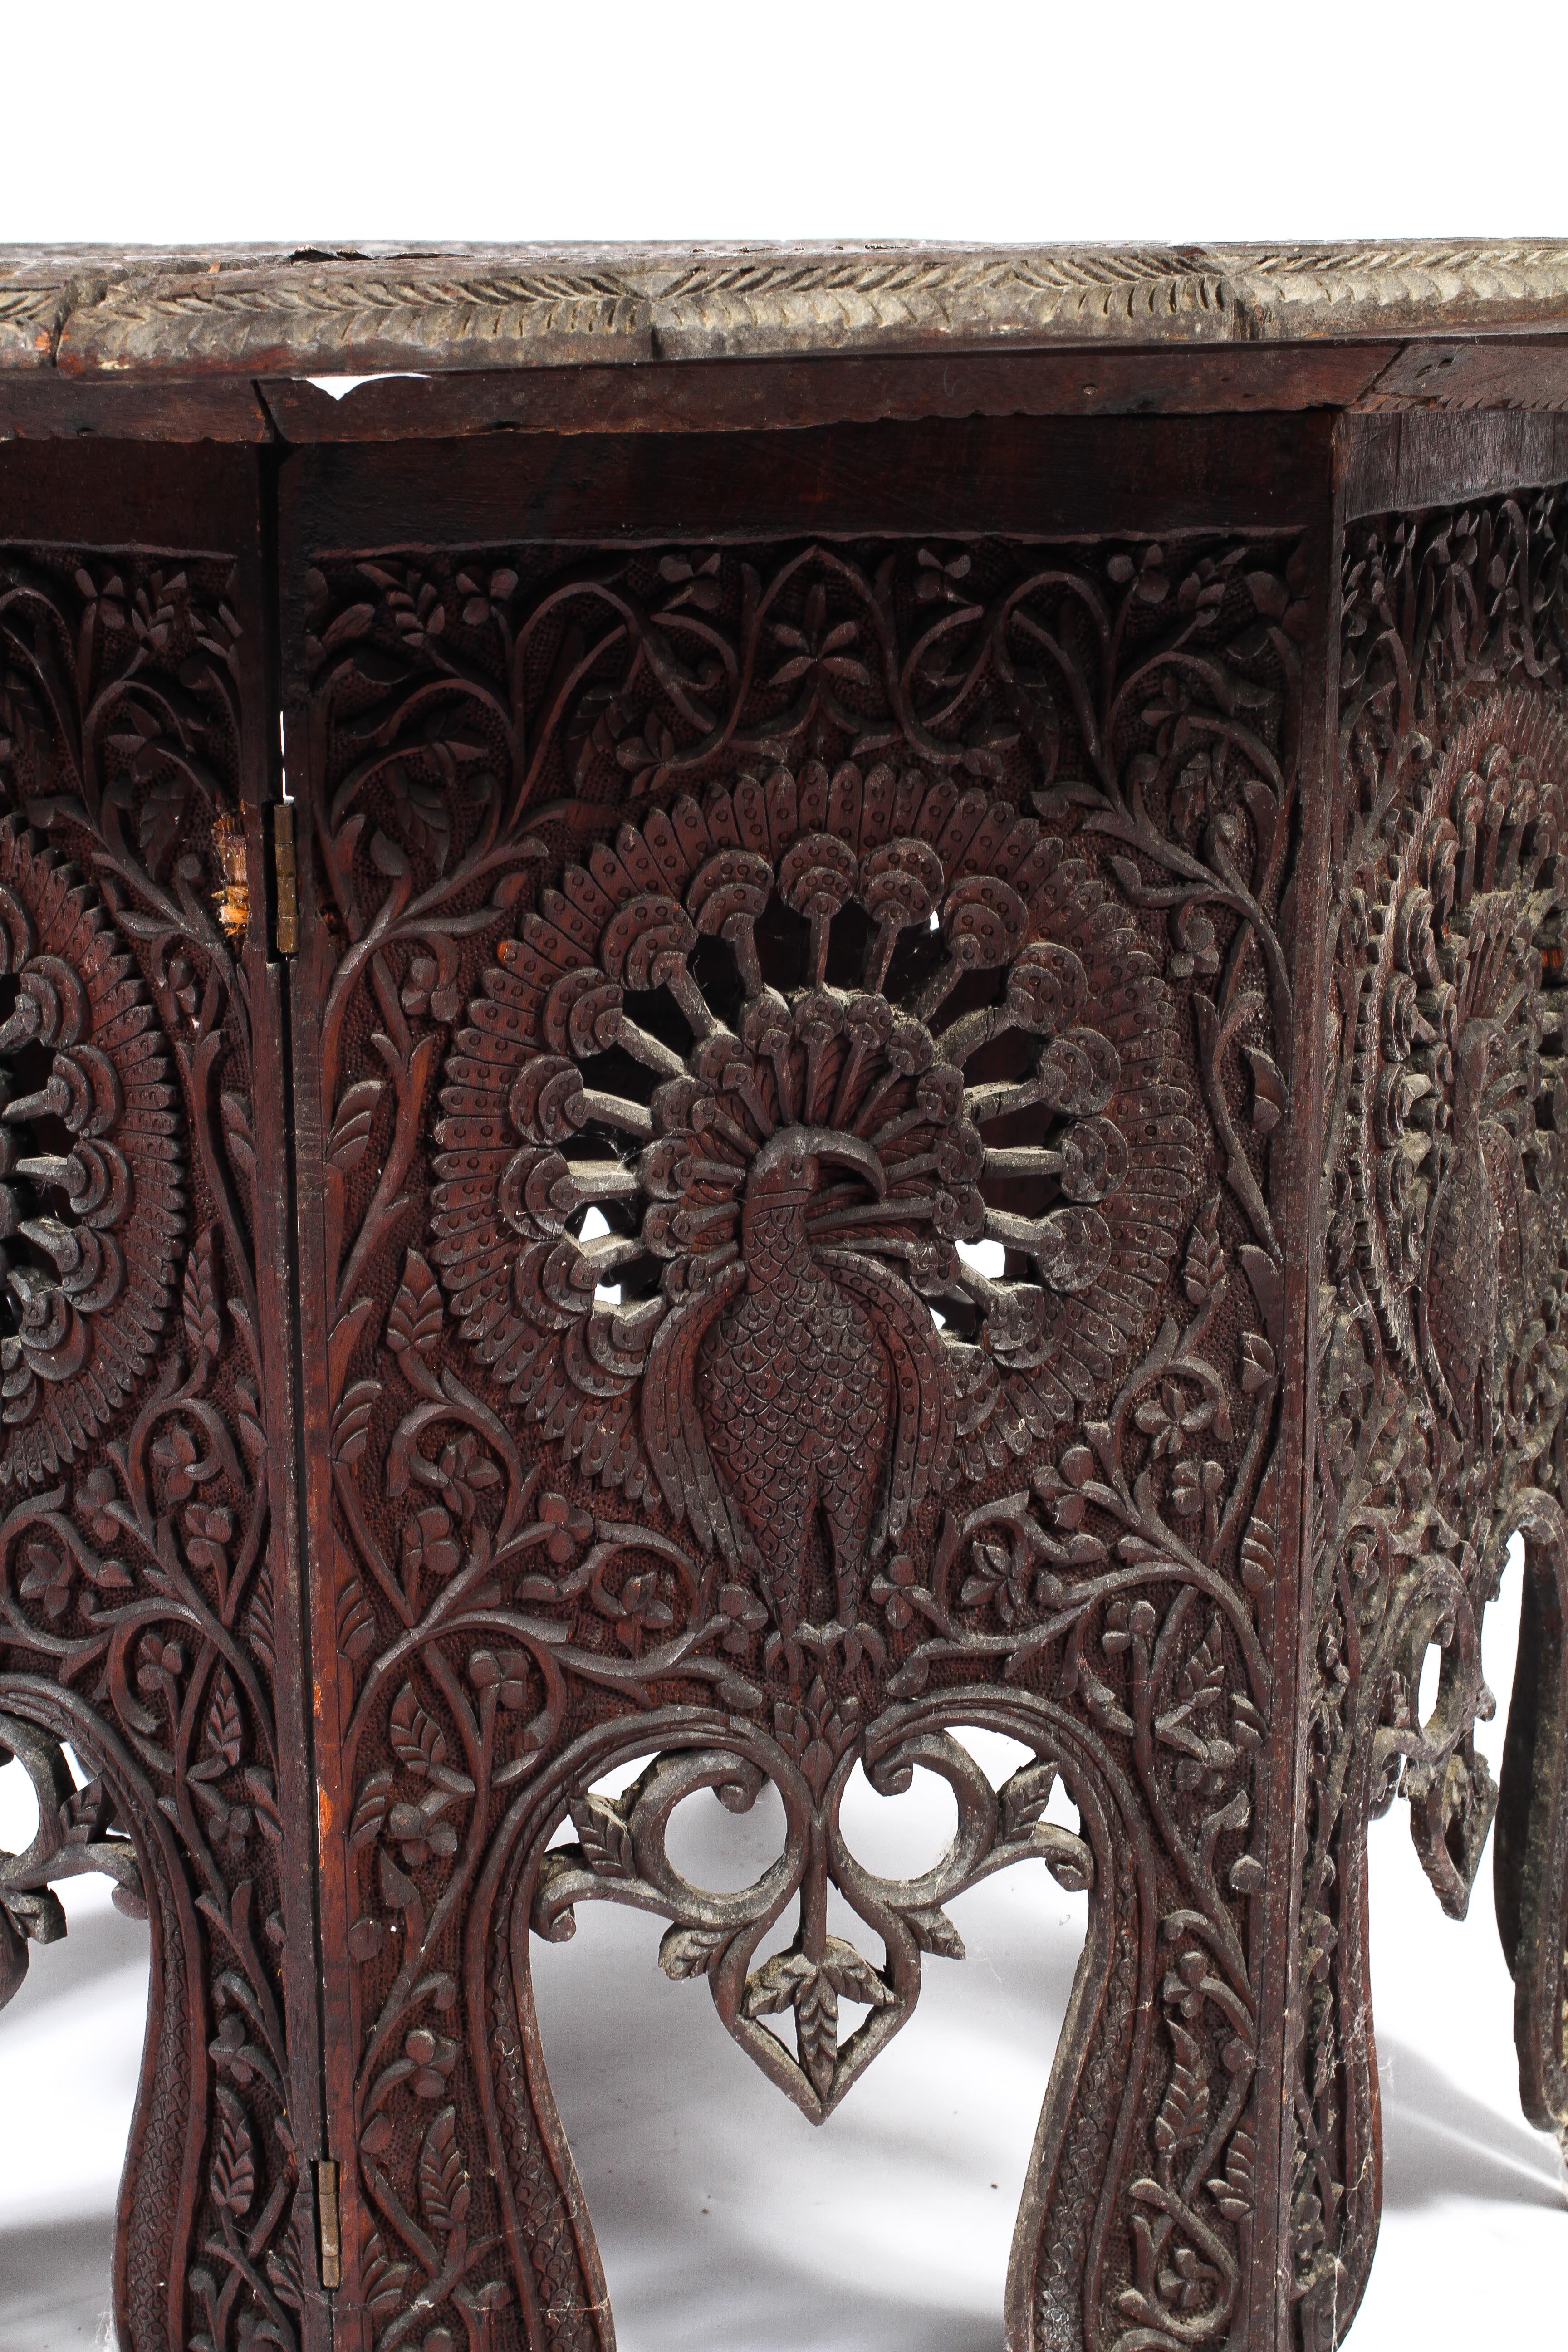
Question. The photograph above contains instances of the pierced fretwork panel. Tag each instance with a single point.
(800, 1034)
(1444, 1362)
(146, 1592)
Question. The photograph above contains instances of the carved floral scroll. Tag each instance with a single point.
(1444, 1368)
(801, 1034)
(139, 1600)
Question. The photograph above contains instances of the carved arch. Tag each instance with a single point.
(1093, 2100)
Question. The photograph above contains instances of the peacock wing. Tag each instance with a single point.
(922, 1381)
(672, 1426)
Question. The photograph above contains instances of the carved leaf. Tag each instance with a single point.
(203, 1327)
(852, 1976)
(443, 2190)
(692, 1951)
(1025, 1796)
(239, 1139)
(286, 2268)
(417, 1740)
(773, 1986)
(356, 1623)
(224, 1735)
(933, 1931)
(1184, 2110)
(1258, 1560)
(607, 1841)
(384, 2279)
(816, 2029)
(417, 1312)
(1270, 1097)
(1205, 1256)
(350, 1138)
(161, 812)
(1234, 2195)
(258, 1788)
(351, 1422)
(1202, 1677)
(369, 1808)
(233, 2176)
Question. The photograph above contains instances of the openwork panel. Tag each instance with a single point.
(1444, 1361)
(801, 1034)
(142, 1591)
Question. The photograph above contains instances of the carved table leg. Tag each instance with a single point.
(147, 1612)
(1444, 1358)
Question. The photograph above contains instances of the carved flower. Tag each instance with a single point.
(1126, 1622)
(83, 1312)
(48, 1575)
(183, 1465)
(507, 1676)
(816, 649)
(637, 1610)
(421, 1835)
(207, 1533)
(1170, 1420)
(1198, 949)
(422, 992)
(939, 582)
(159, 1666)
(570, 1527)
(1144, 576)
(1188, 2282)
(1196, 1486)
(155, 609)
(891, 1592)
(428, 1545)
(229, 2050)
(416, 609)
(462, 1473)
(745, 1615)
(483, 597)
(432, 2057)
(695, 582)
(102, 600)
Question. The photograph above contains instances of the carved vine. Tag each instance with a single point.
(136, 1598)
(1443, 1360)
(886, 946)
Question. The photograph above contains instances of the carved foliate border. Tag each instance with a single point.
(495, 306)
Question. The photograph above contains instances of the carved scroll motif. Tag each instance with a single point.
(1444, 1359)
(137, 1605)
(801, 1034)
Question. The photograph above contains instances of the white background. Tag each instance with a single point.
(727, 2221)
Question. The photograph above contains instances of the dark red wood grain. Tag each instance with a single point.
(924, 1087)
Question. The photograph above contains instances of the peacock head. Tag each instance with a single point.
(787, 1171)
(1472, 1060)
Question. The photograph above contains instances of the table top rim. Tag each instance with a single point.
(100, 311)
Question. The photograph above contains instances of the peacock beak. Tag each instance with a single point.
(846, 1151)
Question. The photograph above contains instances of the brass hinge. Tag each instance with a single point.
(233, 898)
(286, 896)
(327, 2222)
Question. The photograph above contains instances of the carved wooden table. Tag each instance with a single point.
(915, 1078)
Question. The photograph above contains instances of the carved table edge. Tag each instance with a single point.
(103, 311)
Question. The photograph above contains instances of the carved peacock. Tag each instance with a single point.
(811, 1359)
(1449, 1027)
(871, 1090)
